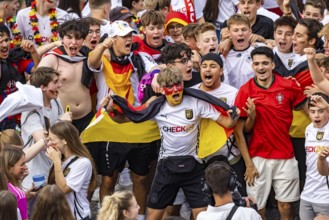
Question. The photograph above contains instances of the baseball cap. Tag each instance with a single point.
(177, 17)
(120, 28)
(120, 13)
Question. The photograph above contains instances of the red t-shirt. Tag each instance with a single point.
(270, 136)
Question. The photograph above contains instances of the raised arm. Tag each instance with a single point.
(317, 75)
(323, 166)
(230, 120)
(28, 46)
(95, 57)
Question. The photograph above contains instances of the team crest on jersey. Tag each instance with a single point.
(224, 99)
(279, 98)
(290, 62)
(66, 171)
(319, 135)
(189, 114)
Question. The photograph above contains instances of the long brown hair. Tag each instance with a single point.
(9, 156)
(65, 130)
(8, 205)
(3, 181)
(51, 204)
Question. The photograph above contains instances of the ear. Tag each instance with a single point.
(258, 4)
(273, 65)
(43, 88)
(312, 42)
(125, 213)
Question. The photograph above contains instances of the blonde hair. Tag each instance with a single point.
(324, 31)
(9, 137)
(169, 76)
(238, 19)
(202, 28)
(114, 205)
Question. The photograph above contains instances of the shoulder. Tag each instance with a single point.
(264, 19)
(248, 213)
(23, 12)
(60, 12)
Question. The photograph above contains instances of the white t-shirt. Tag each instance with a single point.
(286, 58)
(179, 5)
(270, 4)
(221, 212)
(315, 189)
(23, 22)
(40, 164)
(263, 11)
(298, 59)
(78, 179)
(227, 94)
(179, 126)
(226, 8)
(237, 67)
(105, 27)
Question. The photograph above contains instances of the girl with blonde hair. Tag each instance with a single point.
(120, 205)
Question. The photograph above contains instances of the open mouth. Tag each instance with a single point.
(246, 13)
(176, 97)
(93, 42)
(240, 41)
(156, 38)
(4, 50)
(282, 44)
(128, 46)
(212, 50)
(73, 49)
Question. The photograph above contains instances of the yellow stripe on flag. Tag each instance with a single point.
(103, 129)
(212, 137)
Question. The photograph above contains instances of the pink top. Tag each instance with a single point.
(21, 199)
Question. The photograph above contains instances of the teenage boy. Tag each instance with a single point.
(100, 9)
(36, 122)
(314, 199)
(237, 63)
(269, 157)
(189, 36)
(119, 77)
(178, 119)
(150, 48)
(70, 61)
(14, 65)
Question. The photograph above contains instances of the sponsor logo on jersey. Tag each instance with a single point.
(319, 135)
(315, 149)
(189, 114)
(178, 129)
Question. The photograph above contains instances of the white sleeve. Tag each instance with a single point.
(81, 170)
(198, 7)
(206, 110)
(148, 61)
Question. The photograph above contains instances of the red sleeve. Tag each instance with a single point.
(304, 78)
(241, 99)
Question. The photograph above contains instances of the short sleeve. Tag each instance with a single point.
(207, 110)
(240, 101)
(298, 96)
(80, 172)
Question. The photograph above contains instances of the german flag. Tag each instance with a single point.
(212, 135)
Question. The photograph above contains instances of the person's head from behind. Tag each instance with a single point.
(122, 33)
(170, 80)
(262, 64)
(12, 163)
(8, 205)
(323, 63)
(211, 70)
(47, 79)
(318, 114)
(4, 41)
(175, 22)
(121, 205)
(325, 34)
(306, 35)
(178, 55)
(314, 9)
(134, 5)
(249, 9)
(94, 32)
(153, 27)
(240, 31)
(164, 6)
(189, 37)
(10, 137)
(121, 13)
(218, 176)
(206, 37)
(73, 34)
(51, 203)
(101, 6)
(283, 31)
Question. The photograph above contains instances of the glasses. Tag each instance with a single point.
(182, 61)
(173, 27)
(97, 32)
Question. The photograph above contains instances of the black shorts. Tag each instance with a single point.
(83, 122)
(166, 185)
(112, 156)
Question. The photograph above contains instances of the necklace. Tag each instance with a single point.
(34, 23)
(17, 36)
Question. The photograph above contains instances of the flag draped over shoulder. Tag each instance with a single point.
(212, 135)
(102, 128)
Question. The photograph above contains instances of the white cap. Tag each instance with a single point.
(120, 28)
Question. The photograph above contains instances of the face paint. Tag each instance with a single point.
(174, 93)
(173, 88)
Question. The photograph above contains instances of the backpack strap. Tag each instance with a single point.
(232, 212)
